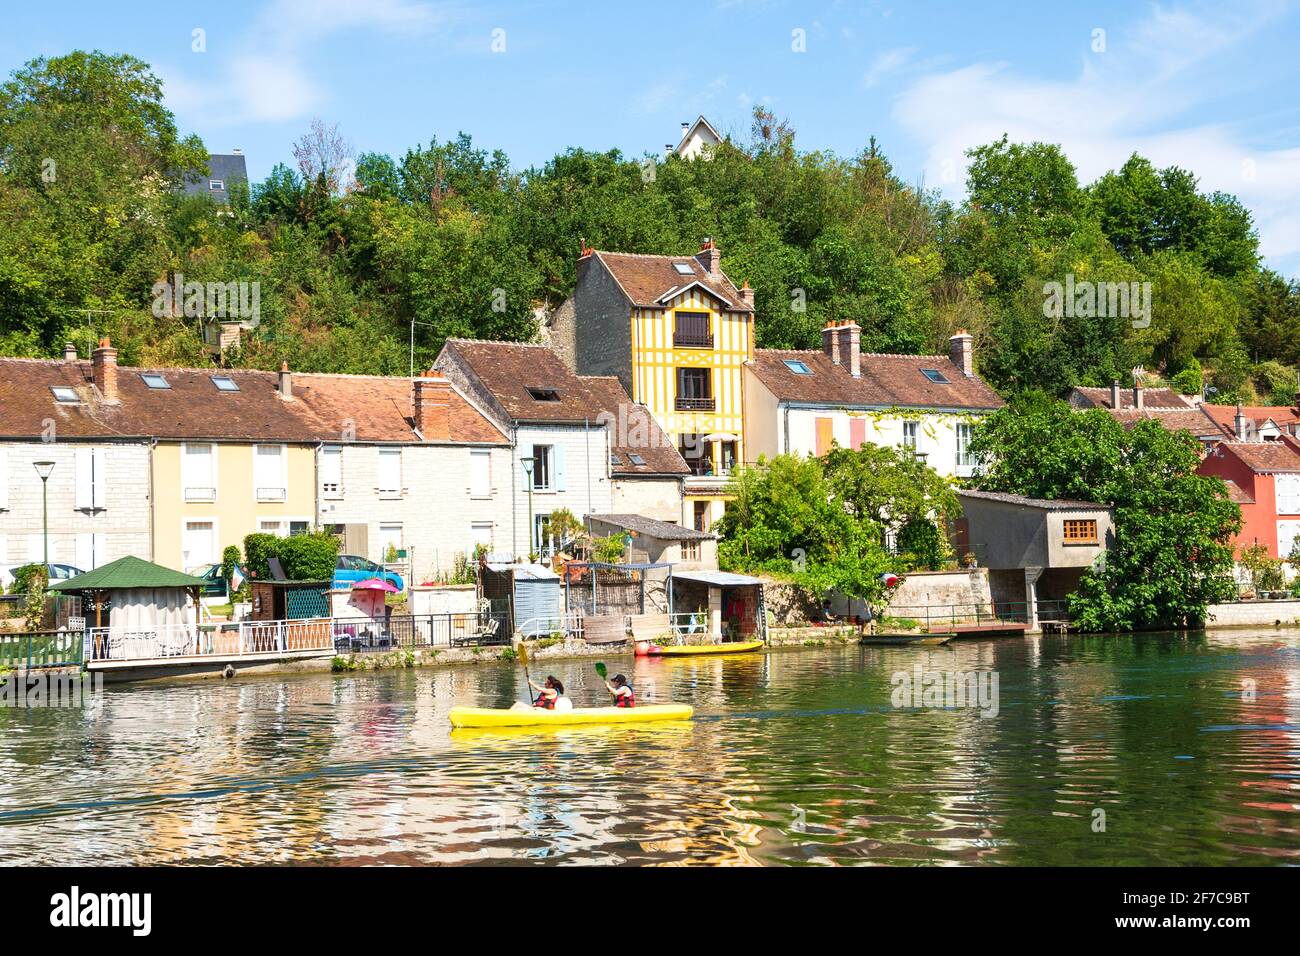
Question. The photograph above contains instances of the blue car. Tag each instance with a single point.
(353, 568)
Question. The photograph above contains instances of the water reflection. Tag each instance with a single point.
(1187, 743)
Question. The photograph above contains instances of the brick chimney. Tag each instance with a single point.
(69, 352)
(104, 364)
(710, 258)
(961, 350)
(285, 386)
(842, 341)
(746, 295)
(1138, 390)
(1114, 394)
(433, 406)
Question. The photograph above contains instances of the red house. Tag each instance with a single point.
(1267, 479)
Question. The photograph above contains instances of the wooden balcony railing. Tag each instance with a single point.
(693, 340)
(695, 404)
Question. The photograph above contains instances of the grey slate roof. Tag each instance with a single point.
(653, 528)
(223, 168)
(1044, 504)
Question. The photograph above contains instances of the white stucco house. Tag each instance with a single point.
(802, 402)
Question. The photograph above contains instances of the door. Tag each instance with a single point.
(198, 544)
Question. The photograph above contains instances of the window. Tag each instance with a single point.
(964, 459)
(1080, 531)
(268, 473)
(65, 395)
(543, 543)
(390, 543)
(636, 460)
(480, 473)
(691, 329)
(697, 452)
(701, 515)
(909, 436)
(934, 375)
(90, 551)
(544, 394)
(857, 433)
(224, 383)
(1287, 491)
(198, 544)
(199, 472)
(798, 367)
(388, 472)
(331, 472)
(216, 184)
(284, 526)
(154, 380)
(542, 461)
(694, 390)
(615, 461)
(684, 268)
(480, 536)
(825, 435)
(92, 478)
(690, 550)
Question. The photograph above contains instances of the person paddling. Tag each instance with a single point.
(622, 691)
(548, 694)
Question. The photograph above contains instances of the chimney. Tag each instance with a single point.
(433, 406)
(842, 341)
(1114, 394)
(1239, 426)
(104, 363)
(286, 382)
(746, 295)
(686, 128)
(69, 352)
(710, 258)
(961, 350)
(1138, 403)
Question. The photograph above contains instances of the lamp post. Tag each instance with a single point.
(45, 469)
(528, 464)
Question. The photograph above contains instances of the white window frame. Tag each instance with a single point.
(549, 458)
(93, 542)
(272, 493)
(380, 455)
(216, 539)
(962, 434)
(337, 490)
(90, 496)
(281, 529)
(483, 455)
(199, 494)
(911, 436)
(1291, 500)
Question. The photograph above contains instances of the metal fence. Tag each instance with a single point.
(987, 613)
(41, 649)
(471, 629)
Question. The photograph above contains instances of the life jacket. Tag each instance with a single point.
(625, 700)
(545, 702)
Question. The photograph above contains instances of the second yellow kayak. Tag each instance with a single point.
(686, 650)
(538, 717)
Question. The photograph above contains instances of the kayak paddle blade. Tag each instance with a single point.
(522, 651)
(600, 669)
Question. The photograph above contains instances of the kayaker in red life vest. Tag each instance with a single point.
(548, 694)
(622, 691)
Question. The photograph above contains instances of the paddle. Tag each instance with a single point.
(600, 669)
(522, 651)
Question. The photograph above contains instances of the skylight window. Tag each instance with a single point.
(636, 459)
(934, 375)
(798, 367)
(216, 184)
(63, 393)
(615, 460)
(544, 394)
(224, 383)
(154, 381)
(684, 268)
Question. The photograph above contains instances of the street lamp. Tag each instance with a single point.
(45, 469)
(528, 464)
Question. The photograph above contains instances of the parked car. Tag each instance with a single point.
(58, 572)
(353, 568)
(215, 585)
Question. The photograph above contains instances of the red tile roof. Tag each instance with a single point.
(647, 279)
(1237, 494)
(1173, 419)
(886, 381)
(1083, 396)
(1264, 456)
(509, 370)
(1225, 416)
(324, 407)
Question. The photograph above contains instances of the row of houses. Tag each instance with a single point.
(646, 392)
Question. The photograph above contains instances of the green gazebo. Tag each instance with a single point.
(144, 593)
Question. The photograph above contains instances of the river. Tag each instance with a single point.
(1149, 749)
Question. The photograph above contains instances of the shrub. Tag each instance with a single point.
(1190, 379)
(258, 550)
(22, 578)
(607, 550)
(304, 557)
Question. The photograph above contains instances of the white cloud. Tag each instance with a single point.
(891, 61)
(1132, 98)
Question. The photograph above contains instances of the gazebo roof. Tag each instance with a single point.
(128, 572)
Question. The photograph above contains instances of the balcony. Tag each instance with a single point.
(200, 494)
(271, 494)
(695, 404)
(692, 340)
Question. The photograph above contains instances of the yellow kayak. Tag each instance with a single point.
(684, 650)
(537, 717)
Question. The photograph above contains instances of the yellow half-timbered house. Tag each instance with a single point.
(677, 333)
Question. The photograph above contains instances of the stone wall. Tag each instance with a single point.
(1253, 614)
(940, 588)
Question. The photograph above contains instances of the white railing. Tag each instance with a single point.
(690, 624)
(570, 625)
(188, 640)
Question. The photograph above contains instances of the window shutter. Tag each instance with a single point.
(857, 433)
(85, 558)
(480, 476)
(85, 478)
(98, 476)
(4, 488)
(825, 434)
(557, 480)
(390, 470)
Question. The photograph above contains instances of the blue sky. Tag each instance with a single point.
(1211, 87)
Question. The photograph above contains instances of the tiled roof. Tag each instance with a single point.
(532, 384)
(324, 407)
(1225, 416)
(647, 279)
(1192, 420)
(886, 381)
(1237, 494)
(1265, 456)
(1046, 504)
(1082, 396)
(663, 530)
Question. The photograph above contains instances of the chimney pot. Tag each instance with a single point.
(104, 370)
(961, 351)
(710, 258)
(747, 295)
(69, 352)
(1138, 403)
(432, 401)
(285, 382)
(1114, 394)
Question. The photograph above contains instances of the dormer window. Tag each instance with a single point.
(544, 394)
(216, 184)
(934, 375)
(154, 380)
(684, 268)
(65, 395)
